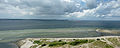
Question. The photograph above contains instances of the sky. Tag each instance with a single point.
(60, 9)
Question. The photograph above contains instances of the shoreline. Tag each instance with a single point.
(108, 31)
(26, 42)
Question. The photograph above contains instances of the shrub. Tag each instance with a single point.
(91, 40)
(98, 39)
(37, 42)
(57, 43)
(43, 45)
(77, 42)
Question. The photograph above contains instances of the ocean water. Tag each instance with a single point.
(13, 30)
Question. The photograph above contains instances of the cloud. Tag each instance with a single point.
(37, 8)
(103, 11)
(90, 3)
(60, 9)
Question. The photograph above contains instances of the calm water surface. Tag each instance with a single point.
(12, 30)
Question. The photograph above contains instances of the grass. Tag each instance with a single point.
(34, 46)
(37, 42)
(114, 41)
(57, 43)
(102, 39)
(94, 43)
(61, 43)
(77, 42)
(91, 40)
(102, 44)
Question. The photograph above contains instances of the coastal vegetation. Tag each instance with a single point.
(114, 41)
(37, 42)
(57, 43)
(78, 41)
(34, 46)
(101, 42)
(61, 43)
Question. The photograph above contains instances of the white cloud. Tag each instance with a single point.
(6, 1)
(103, 10)
(59, 9)
(82, 14)
(68, 1)
(83, 1)
(31, 13)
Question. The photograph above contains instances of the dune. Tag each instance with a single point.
(90, 42)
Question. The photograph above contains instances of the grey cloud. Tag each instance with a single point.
(91, 3)
(56, 9)
(42, 8)
(51, 7)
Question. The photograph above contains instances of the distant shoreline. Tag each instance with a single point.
(58, 20)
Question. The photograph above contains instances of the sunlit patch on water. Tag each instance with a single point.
(47, 33)
(13, 35)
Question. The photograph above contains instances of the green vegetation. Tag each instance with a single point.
(102, 39)
(91, 40)
(115, 41)
(37, 42)
(61, 43)
(57, 43)
(108, 46)
(43, 45)
(102, 44)
(77, 42)
(34, 46)
(93, 43)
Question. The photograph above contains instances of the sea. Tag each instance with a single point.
(12, 30)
